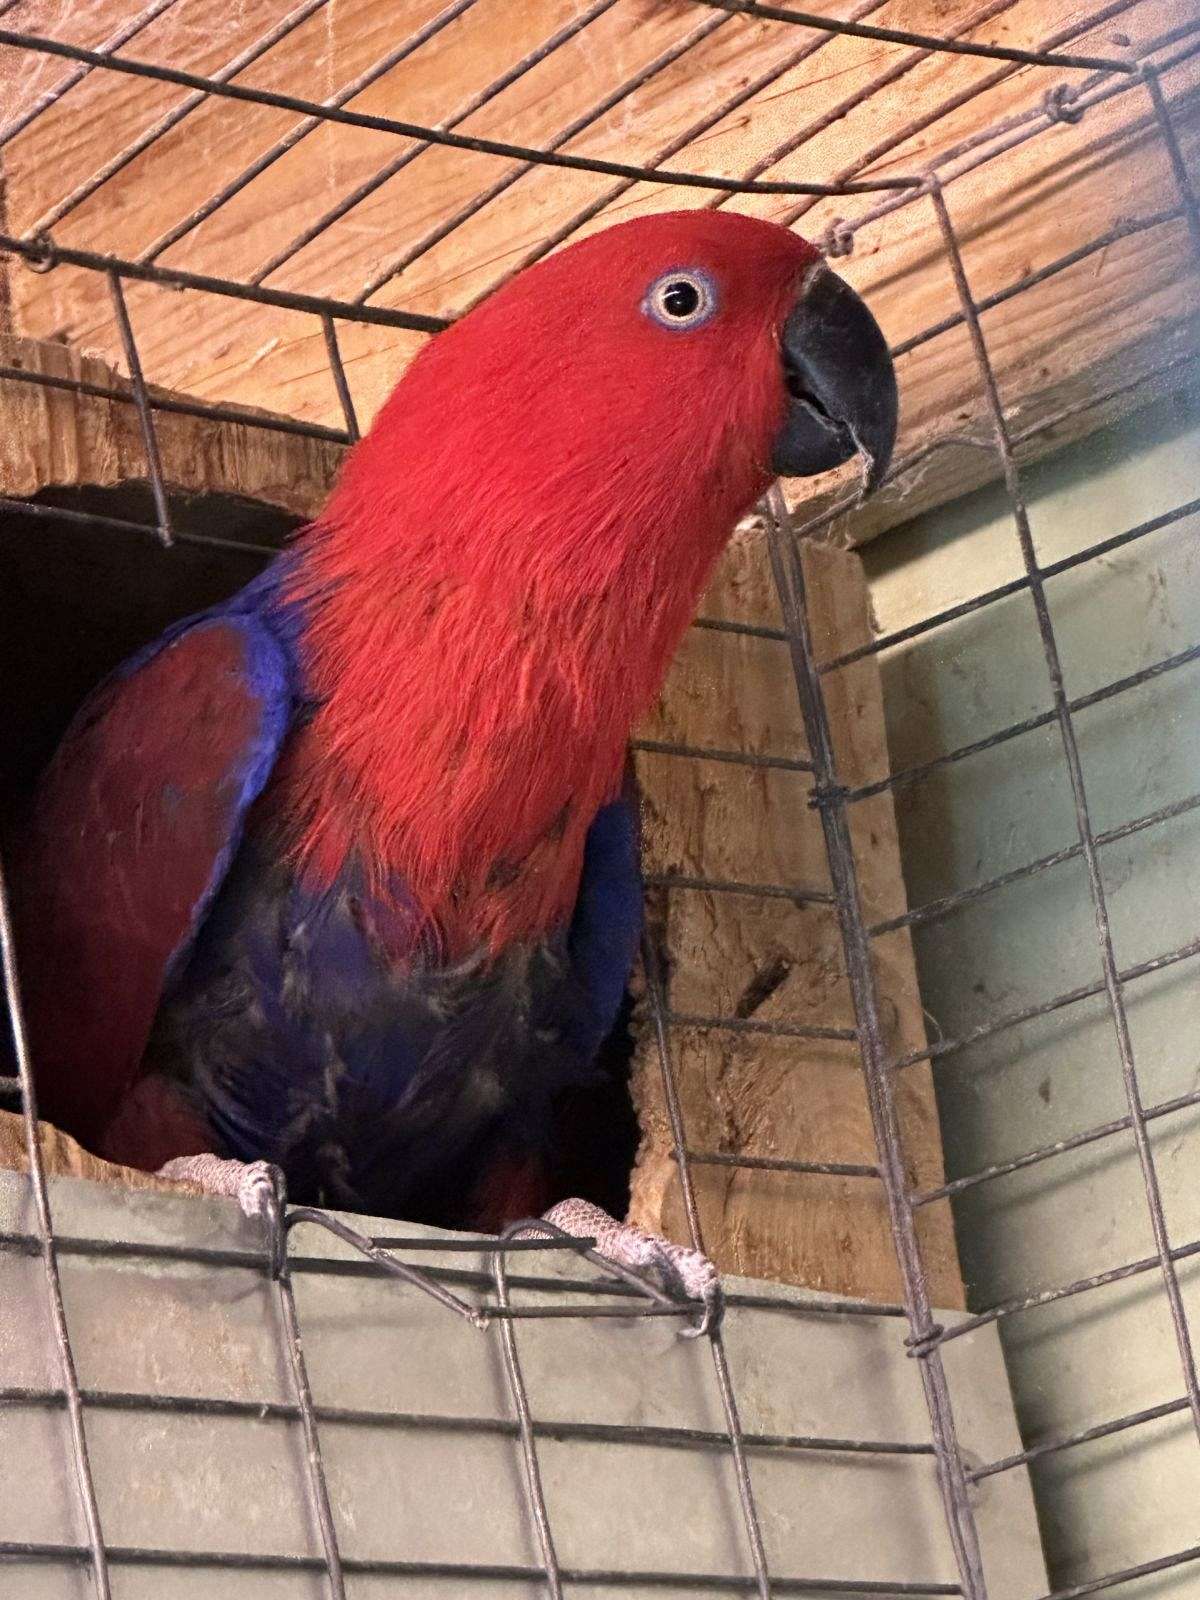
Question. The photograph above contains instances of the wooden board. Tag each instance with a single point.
(55, 437)
(1120, 312)
(63, 1157)
(774, 961)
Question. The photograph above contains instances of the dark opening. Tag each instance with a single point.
(77, 599)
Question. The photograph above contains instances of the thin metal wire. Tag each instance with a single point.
(912, 459)
(927, 119)
(318, 1486)
(1126, 228)
(84, 191)
(1183, 183)
(382, 1258)
(764, 1584)
(45, 251)
(85, 1482)
(131, 67)
(200, 1255)
(145, 418)
(441, 230)
(696, 130)
(757, 85)
(827, 1169)
(736, 758)
(789, 583)
(51, 96)
(799, 896)
(1033, 1158)
(1102, 1430)
(942, 45)
(778, 1029)
(345, 400)
(178, 405)
(1069, 997)
(1111, 1580)
(988, 144)
(309, 124)
(876, 85)
(595, 1577)
(1063, 716)
(397, 164)
(704, 1440)
(1091, 552)
(1062, 1291)
(1147, 385)
(935, 910)
(1042, 719)
(45, 510)
(533, 1472)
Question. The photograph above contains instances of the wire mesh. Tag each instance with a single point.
(486, 1297)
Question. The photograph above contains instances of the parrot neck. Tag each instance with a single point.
(476, 696)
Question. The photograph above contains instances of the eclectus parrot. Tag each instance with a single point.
(342, 874)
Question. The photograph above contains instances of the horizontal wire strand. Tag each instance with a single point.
(607, 1577)
(922, 41)
(412, 130)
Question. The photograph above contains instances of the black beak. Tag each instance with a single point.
(841, 388)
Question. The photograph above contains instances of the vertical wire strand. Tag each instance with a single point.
(733, 1421)
(41, 1199)
(1178, 166)
(1112, 980)
(336, 367)
(314, 1460)
(142, 402)
(533, 1471)
(829, 798)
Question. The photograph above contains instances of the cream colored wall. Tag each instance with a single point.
(1135, 1496)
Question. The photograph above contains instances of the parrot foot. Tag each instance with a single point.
(682, 1273)
(257, 1186)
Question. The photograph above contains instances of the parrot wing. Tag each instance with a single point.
(138, 818)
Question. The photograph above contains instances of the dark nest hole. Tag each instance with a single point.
(76, 599)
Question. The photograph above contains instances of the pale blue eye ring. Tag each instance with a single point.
(681, 299)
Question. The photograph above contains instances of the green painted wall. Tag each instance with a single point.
(1135, 1496)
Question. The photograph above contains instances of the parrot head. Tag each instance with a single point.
(694, 355)
(511, 555)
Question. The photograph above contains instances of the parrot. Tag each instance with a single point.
(339, 879)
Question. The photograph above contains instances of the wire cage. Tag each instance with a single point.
(1065, 84)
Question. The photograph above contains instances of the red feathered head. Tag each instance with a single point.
(501, 575)
(668, 367)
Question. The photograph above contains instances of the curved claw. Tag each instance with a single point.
(258, 1187)
(667, 1270)
(268, 1189)
(713, 1301)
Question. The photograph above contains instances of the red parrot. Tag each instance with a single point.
(342, 874)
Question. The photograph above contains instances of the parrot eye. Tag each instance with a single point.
(681, 299)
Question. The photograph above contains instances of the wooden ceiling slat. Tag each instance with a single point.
(1125, 309)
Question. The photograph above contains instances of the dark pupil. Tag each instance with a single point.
(680, 299)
